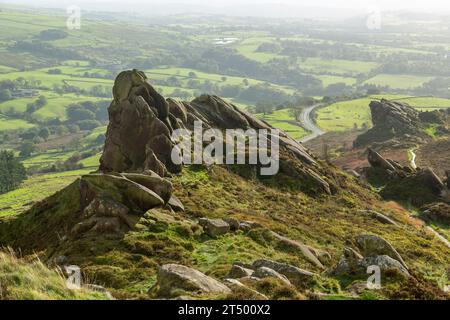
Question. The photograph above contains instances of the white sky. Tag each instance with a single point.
(208, 5)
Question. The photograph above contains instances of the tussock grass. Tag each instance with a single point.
(29, 279)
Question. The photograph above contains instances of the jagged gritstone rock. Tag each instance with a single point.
(420, 186)
(391, 120)
(141, 122)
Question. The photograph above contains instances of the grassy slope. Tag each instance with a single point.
(128, 265)
(24, 280)
(398, 81)
(342, 116)
(34, 189)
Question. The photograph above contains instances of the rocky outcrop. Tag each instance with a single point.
(139, 138)
(372, 245)
(173, 277)
(420, 186)
(437, 212)
(375, 251)
(392, 121)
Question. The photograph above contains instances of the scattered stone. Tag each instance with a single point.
(352, 263)
(378, 216)
(264, 272)
(439, 212)
(297, 246)
(349, 263)
(172, 277)
(294, 274)
(237, 272)
(377, 161)
(233, 222)
(234, 283)
(371, 245)
(385, 263)
(175, 204)
(248, 225)
(215, 227)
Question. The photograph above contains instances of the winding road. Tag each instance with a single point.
(309, 124)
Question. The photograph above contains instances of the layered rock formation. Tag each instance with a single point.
(141, 122)
(421, 186)
(392, 120)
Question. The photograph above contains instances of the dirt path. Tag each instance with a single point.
(413, 158)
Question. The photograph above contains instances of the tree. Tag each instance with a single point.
(192, 74)
(265, 107)
(296, 112)
(26, 149)
(5, 95)
(44, 133)
(12, 172)
(76, 112)
(41, 101)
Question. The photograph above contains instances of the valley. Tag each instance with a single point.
(364, 176)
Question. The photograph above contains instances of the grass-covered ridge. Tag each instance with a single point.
(127, 265)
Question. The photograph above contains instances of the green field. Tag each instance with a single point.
(342, 116)
(336, 66)
(13, 124)
(183, 75)
(398, 81)
(49, 80)
(55, 107)
(35, 189)
(282, 120)
(249, 46)
(327, 80)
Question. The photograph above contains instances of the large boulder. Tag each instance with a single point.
(294, 274)
(214, 227)
(298, 247)
(120, 189)
(173, 277)
(438, 212)
(354, 264)
(391, 120)
(378, 216)
(372, 245)
(162, 187)
(237, 272)
(385, 263)
(264, 272)
(139, 134)
(349, 263)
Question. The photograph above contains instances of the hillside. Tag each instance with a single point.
(145, 227)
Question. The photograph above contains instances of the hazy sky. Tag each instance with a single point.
(293, 7)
